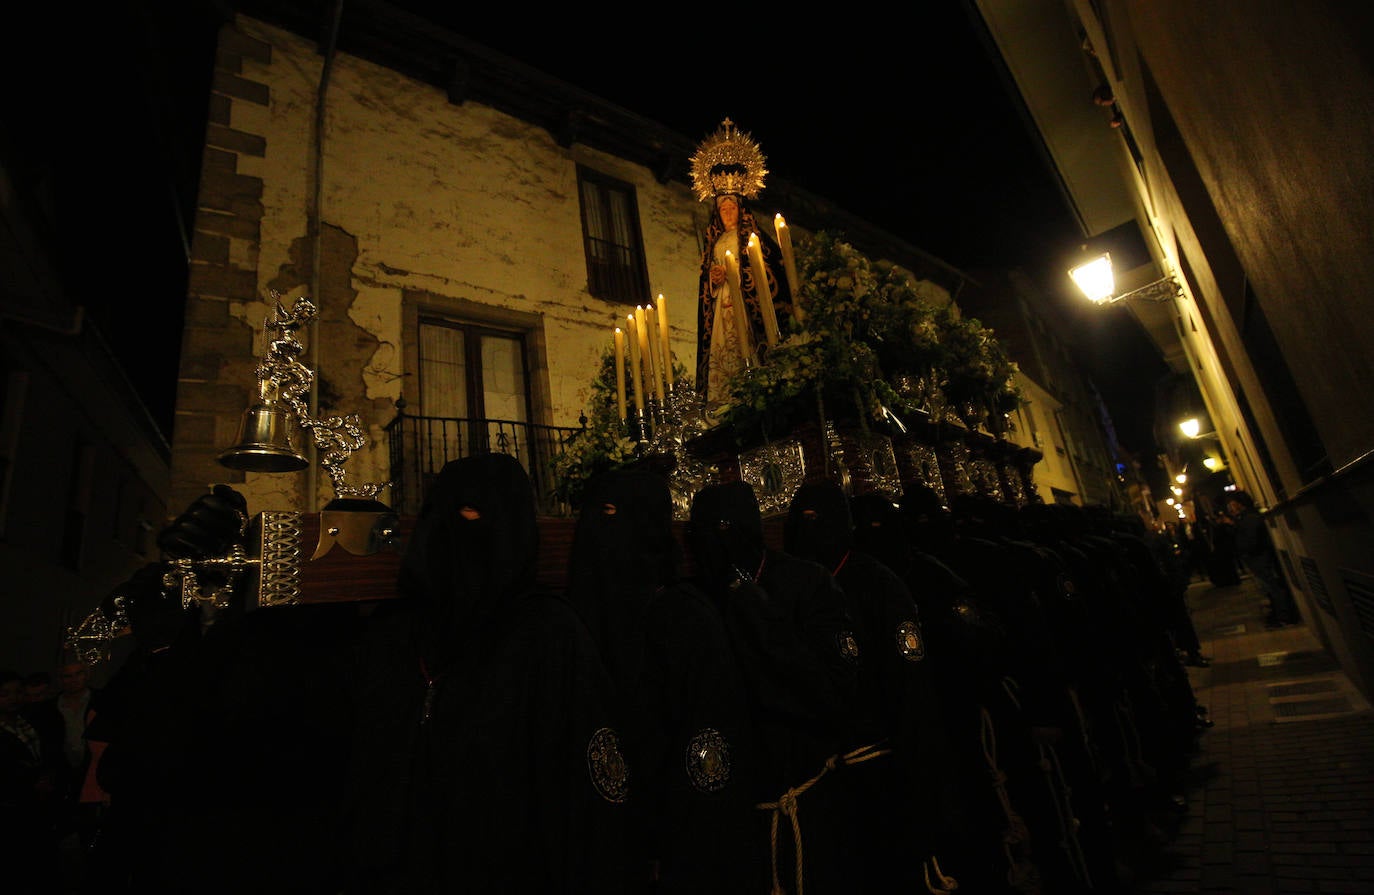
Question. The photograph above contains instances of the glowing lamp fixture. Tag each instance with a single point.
(1178, 492)
(1192, 428)
(1212, 463)
(1170, 501)
(1094, 277)
(1181, 478)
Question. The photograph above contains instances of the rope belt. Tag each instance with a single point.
(1021, 874)
(787, 805)
(1062, 795)
(1086, 732)
(942, 885)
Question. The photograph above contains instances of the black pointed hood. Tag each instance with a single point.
(464, 571)
(819, 524)
(726, 533)
(623, 551)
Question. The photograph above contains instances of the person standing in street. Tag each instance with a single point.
(1257, 554)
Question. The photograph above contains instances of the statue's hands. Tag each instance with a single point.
(209, 527)
(716, 275)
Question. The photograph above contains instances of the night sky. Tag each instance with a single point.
(908, 125)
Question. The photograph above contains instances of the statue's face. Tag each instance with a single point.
(728, 206)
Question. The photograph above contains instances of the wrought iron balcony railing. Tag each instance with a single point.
(419, 447)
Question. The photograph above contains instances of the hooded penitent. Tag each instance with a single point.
(726, 534)
(795, 644)
(473, 549)
(623, 553)
(686, 721)
(487, 754)
(900, 802)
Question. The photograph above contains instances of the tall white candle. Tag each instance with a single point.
(789, 264)
(655, 348)
(646, 356)
(635, 380)
(770, 316)
(620, 372)
(667, 346)
(737, 307)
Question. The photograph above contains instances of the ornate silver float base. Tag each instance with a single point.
(775, 471)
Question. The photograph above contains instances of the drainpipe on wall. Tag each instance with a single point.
(312, 476)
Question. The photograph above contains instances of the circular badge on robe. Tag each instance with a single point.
(1067, 587)
(909, 641)
(849, 647)
(708, 760)
(609, 773)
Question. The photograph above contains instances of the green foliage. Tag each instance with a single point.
(870, 340)
(604, 443)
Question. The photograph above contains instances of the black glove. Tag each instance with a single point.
(154, 612)
(211, 525)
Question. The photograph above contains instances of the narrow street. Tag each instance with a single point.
(1283, 786)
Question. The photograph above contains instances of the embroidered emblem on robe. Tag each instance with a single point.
(909, 642)
(849, 647)
(708, 760)
(1067, 587)
(610, 776)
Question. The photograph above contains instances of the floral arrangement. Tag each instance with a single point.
(604, 443)
(871, 344)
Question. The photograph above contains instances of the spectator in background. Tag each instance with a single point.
(40, 710)
(1199, 552)
(1222, 568)
(1256, 552)
(30, 802)
(74, 702)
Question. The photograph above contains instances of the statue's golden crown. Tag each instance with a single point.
(728, 162)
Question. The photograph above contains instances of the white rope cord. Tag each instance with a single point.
(1062, 795)
(1021, 874)
(787, 805)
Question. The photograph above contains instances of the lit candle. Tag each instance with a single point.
(620, 372)
(663, 334)
(646, 355)
(635, 380)
(789, 264)
(770, 316)
(655, 348)
(737, 307)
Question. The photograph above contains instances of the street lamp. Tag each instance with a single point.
(1095, 279)
(1193, 429)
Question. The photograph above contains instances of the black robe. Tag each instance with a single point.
(794, 639)
(686, 728)
(487, 756)
(899, 803)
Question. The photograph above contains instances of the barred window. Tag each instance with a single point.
(610, 232)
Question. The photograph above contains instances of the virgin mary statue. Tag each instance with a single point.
(728, 171)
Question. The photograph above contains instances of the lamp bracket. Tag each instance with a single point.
(1164, 289)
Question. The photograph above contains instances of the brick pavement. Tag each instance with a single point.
(1281, 790)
